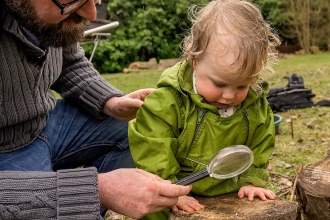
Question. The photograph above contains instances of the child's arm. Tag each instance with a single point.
(251, 191)
(262, 144)
(153, 135)
(188, 204)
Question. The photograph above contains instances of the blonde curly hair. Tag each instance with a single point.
(241, 21)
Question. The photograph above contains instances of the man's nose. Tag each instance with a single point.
(88, 10)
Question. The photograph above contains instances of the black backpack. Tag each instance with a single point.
(293, 96)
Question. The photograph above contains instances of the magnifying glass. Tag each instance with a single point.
(228, 162)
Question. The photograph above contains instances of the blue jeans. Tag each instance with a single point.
(70, 139)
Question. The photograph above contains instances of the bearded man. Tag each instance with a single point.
(42, 139)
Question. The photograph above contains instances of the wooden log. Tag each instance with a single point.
(166, 63)
(229, 206)
(126, 70)
(313, 191)
(151, 64)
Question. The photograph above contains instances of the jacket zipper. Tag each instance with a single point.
(247, 123)
(200, 116)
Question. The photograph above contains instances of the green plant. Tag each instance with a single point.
(148, 28)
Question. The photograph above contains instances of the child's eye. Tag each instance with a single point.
(219, 85)
(242, 87)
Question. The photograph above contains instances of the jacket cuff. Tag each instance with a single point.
(254, 176)
(77, 194)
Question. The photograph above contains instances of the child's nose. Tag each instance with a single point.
(228, 94)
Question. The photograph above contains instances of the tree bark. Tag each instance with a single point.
(229, 206)
(313, 191)
(301, 22)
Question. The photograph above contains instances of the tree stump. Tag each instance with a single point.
(229, 206)
(313, 191)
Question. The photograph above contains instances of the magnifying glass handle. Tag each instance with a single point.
(192, 178)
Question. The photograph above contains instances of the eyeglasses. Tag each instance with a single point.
(70, 6)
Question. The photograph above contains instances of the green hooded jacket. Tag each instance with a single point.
(174, 123)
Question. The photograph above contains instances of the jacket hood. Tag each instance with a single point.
(180, 77)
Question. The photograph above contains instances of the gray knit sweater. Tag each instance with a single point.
(27, 75)
(67, 194)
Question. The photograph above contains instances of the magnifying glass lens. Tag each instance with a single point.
(228, 162)
(232, 164)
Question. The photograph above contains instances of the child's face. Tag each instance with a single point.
(217, 84)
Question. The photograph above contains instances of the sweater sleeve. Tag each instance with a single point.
(80, 83)
(65, 194)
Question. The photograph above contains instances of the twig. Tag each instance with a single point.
(286, 192)
(292, 135)
(279, 174)
(295, 182)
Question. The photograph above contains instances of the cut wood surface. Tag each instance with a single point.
(166, 63)
(313, 191)
(151, 64)
(229, 206)
(126, 70)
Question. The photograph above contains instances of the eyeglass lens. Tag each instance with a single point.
(73, 7)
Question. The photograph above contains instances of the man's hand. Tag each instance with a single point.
(135, 193)
(124, 108)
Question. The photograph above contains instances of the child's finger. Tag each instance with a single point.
(241, 194)
(174, 208)
(196, 206)
(187, 208)
(270, 194)
(250, 195)
(261, 195)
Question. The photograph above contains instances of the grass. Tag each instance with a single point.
(305, 133)
(305, 140)
(129, 82)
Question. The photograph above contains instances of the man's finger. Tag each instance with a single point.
(134, 103)
(172, 190)
(141, 94)
(149, 175)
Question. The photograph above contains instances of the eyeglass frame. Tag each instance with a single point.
(63, 6)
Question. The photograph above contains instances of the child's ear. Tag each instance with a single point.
(194, 63)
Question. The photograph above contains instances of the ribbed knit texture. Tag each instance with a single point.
(27, 75)
(65, 195)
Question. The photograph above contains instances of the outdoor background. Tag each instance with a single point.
(155, 28)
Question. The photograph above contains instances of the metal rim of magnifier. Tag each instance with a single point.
(227, 151)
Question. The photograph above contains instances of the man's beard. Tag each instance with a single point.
(49, 35)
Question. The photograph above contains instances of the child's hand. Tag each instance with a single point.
(252, 191)
(188, 204)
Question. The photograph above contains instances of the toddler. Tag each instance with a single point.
(214, 99)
